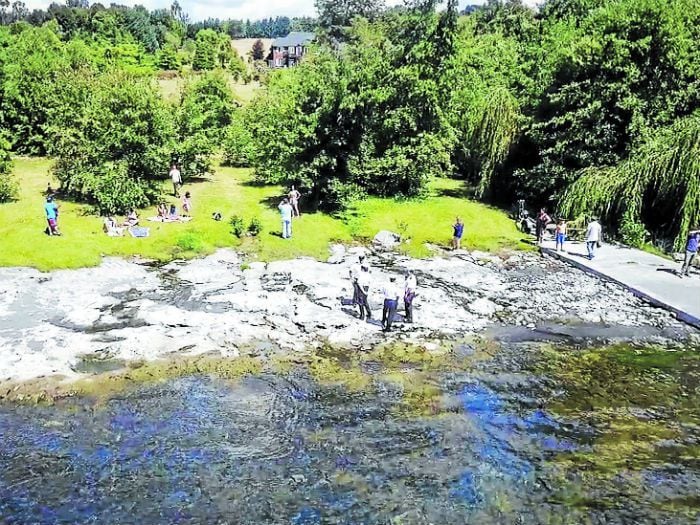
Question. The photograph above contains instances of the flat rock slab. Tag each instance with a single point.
(647, 276)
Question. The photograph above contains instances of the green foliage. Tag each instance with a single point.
(632, 232)
(666, 165)
(168, 58)
(238, 146)
(206, 52)
(237, 226)
(8, 186)
(118, 144)
(190, 242)
(255, 227)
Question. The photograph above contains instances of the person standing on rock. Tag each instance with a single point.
(409, 294)
(691, 251)
(286, 215)
(457, 232)
(391, 301)
(593, 237)
(363, 282)
(176, 178)
(355, 271)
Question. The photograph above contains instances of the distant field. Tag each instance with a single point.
(171, 88)
(245, 45)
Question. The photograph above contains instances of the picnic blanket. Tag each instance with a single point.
(167, 219)
(138, 231)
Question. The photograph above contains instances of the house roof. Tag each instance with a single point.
(296, 38)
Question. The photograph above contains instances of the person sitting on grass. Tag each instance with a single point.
(111, 228)
(172, 214)
(186, 204)
(162, 211)
(132, 219)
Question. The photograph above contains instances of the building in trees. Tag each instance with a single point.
(288, 50)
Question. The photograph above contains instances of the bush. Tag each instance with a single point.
(237, 226)
(190, 242)
(255, 227)
(8, 186)
(633, 233)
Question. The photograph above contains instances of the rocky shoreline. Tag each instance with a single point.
(220, 305)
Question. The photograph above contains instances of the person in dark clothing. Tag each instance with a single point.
(391, 302)
(408, 295)
(542, 221)
(362, 292)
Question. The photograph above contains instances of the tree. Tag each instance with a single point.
(205, 55)
(8, 186)
(258, 51)
(335, 15)
(118, 145)
(168, 58)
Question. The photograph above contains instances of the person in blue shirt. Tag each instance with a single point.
(691, 250)
(458, 231)
(286, 215)
(51, 209)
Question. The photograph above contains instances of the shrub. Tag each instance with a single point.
(255, 227)
(633, 233)
(190, 242)
(8, 186)
(237, 226)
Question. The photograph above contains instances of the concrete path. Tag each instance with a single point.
(648, 276)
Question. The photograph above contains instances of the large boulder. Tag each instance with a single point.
(386, 240)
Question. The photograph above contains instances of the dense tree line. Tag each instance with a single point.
(587, 106)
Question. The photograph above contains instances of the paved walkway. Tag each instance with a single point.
(648, 276)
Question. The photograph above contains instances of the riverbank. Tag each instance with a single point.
(230, 191)
(51, 324)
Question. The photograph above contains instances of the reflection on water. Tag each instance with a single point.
(536, 436)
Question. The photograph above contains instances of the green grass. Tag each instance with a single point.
(229, 192)
(171, 88)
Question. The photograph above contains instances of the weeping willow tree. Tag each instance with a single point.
(494, 128)
(659, 185)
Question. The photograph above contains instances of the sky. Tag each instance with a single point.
(236, 9)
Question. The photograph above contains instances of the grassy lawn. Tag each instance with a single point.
(229, 192)
(171, 89)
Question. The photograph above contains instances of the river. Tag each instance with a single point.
(472, 432)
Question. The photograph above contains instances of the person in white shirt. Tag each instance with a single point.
(392, 292)
(176, 178)
(409, 293)
(363, 282)
(593, 236)
(286, 215)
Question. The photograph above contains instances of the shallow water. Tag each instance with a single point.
(533, 434)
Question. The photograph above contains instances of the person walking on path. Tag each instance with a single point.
(593, 237)
(286, 215)
(542, 221)
(391, 301)
(409, 294)
(560, 236)
(363, 282)
(294, 197)
(457, 232)
(176, 178)
(51, 210)
(691, 251)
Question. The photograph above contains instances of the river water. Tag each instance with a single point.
(492, 433)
